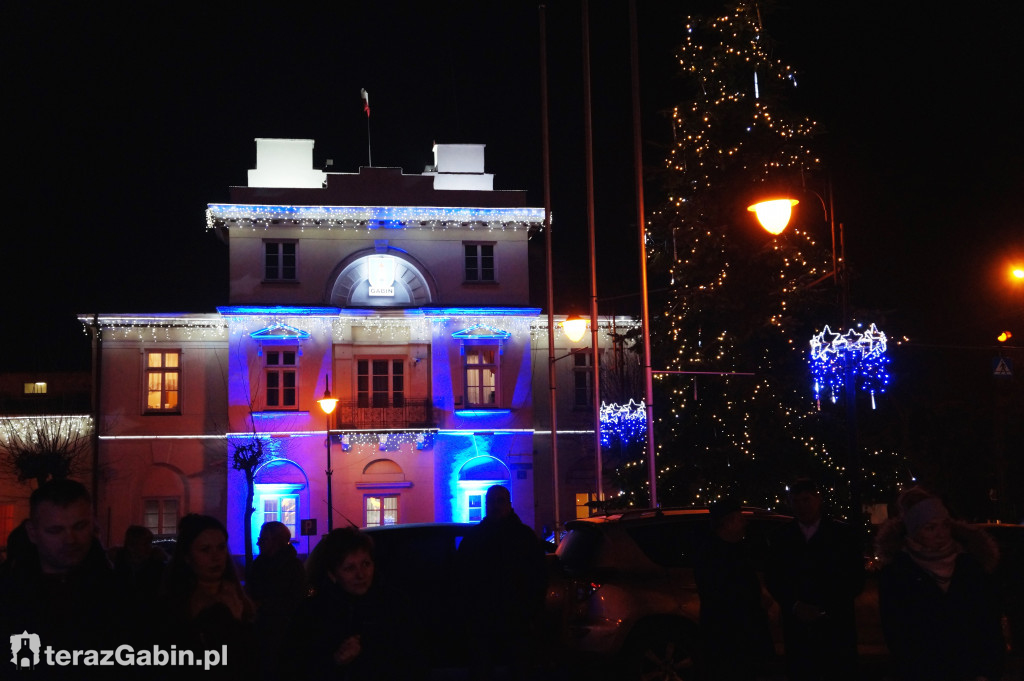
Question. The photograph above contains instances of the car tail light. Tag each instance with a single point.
(586, 589)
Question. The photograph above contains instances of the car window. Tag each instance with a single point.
(670, 543)
(579, 547)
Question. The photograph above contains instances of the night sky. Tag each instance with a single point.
(123, 124)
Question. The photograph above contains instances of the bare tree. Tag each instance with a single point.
(42, 448)
(247, 456)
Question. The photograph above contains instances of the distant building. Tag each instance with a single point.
(405, 296)
(53, 402)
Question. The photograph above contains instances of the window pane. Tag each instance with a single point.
(171, 359)
(155, 359)
(273, 358)
(288, 358)
(170, 517)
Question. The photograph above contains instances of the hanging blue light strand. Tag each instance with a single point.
(861, 356)
(626, 423)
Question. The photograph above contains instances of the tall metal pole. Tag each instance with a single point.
(589, 145)
(546, 162)
(641, 228)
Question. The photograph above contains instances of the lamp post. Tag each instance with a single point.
(327, 404)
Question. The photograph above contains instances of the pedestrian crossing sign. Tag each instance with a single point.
(1002, 366)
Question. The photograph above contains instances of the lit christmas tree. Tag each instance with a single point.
(740, 301)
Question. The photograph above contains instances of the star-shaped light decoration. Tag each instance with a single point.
(859, 356)
(627, 422)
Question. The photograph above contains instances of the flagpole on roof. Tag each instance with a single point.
(366, 109)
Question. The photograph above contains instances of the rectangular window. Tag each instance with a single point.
(583, 507)
(475, 507)
(481, 368)
(380, 382)
(582, 377)
(281, 372)
(381, 510)
(281, 508)
(160, 516)
(37, 388)
(163, 380)
(279, 260)
(479, 262)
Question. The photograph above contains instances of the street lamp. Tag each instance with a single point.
(773, 214)
(575, 326)
(327, 404)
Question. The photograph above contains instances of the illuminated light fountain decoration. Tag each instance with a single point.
(625, 422)
(856, 357)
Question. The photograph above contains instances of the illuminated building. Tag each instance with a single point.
(405, 296)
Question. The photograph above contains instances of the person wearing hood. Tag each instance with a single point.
(937, 598)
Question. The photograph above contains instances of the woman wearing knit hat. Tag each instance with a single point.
(939, 608)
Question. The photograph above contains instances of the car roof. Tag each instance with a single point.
(663, 514)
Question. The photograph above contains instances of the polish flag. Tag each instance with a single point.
(366, 101)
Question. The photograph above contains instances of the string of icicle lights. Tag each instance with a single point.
(246, 216)
(858, 357)
(54, 427)
(626, 423)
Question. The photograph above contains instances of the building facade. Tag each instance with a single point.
(405, 297)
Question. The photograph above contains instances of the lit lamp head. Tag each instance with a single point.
(773, 214)
(327, 403)
(1017, 272)
(575, 326)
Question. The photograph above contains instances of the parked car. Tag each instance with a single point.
(418, 560)
(623, 586)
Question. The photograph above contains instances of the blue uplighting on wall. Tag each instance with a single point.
(246, 310)
(482, 413)
(482, 332)
(481, 311)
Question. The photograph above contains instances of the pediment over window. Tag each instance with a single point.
(482, 332)
(280, 332)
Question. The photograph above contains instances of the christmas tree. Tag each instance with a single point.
(741, 305)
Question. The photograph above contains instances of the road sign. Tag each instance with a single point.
(1002, 367)
(308, 527)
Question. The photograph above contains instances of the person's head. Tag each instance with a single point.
(138, 541)
(926, 518)
(498, 502)
(274, 536)
(343, 557)
(202, 548)
(805, 499)
(60, 525)
(727, 519)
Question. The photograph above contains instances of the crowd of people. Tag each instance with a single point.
(333, 618)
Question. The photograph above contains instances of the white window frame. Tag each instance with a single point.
(164, 372)
(382, 511)
(479, 369)
(161, 528)
(276, 271)
(474, 255)
(274, 366)
(367, 393)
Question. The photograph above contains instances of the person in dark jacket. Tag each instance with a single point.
(734, 623)
(815, 571)
(502, 569)
(277, 584)
(937, 596)
(351, 627)
(61, 589)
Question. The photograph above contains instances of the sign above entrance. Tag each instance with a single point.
(381, 275)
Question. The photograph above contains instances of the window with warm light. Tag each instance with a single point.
(381, 510)
(37, 388)
(479, 262)
(281, 374)
(281, 508)
(163, 381)
(482, 376)
(280, 260)
(160, 516)
(380, 382)
(583, 501)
